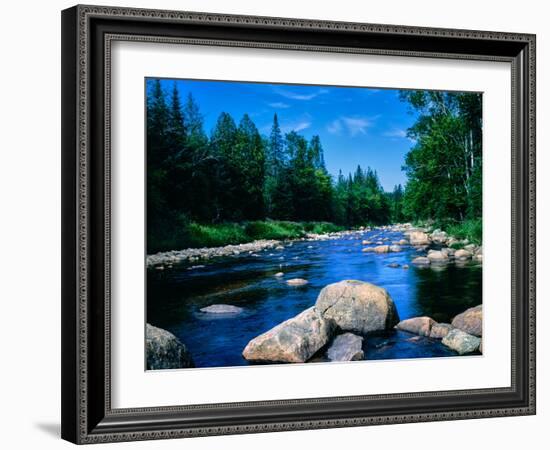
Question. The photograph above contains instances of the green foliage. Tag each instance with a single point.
(360, 199)
(198, 235)
(322, 227)
(469, 229)
(272, 229)
(444, 165)
(395, 200)
(195, 235)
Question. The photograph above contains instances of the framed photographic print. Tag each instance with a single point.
(282, 224)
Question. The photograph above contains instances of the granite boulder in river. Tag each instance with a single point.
(294, 340)
(470, 321)
(357, 306)
(346, 347)
(164, 350)
(350, 305)
(461, 342)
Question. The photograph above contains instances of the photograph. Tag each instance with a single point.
(291, 223)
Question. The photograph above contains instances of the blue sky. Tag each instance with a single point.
(363, 126)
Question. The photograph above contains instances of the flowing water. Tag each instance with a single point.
(175, 295)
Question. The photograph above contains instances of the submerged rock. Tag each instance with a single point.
(357, 306)
(421, 261)
(394, 265)
(346, 347)
(461, 342)
(470, 321)
(297, 282)
(279, 274)
(294, 340)
(440, 330)
(164, 350)
(395, 248)
(222, 309)
(417, 325)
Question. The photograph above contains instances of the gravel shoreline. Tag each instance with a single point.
(197, 254)
(191, 255)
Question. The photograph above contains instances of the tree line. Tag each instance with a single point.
(235, 174)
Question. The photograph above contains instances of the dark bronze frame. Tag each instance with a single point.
(87, 34)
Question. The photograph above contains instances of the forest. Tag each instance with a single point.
(235, 184)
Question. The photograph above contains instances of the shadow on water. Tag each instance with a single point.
(176, 295)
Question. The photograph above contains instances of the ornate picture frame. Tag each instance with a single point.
(87, 35)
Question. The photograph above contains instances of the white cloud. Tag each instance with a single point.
(396, 133)
(296, 126)
(297, 96)
(335, 127)
(355, 125)
(279, 105)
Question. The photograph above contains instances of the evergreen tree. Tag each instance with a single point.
(223, 143)
(275, 164)
(251, 160)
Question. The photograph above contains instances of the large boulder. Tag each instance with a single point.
(164, 350)
(461, 342)
(346, 347)
(437, 256)
(294, 341)
(470, 321)
(440, 330)
(418, 238)
(417, 325)
(357, 306)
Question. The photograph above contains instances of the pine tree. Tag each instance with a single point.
(251, 160)
(223, 142)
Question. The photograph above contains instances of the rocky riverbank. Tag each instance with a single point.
(159, 260)
(166, 259)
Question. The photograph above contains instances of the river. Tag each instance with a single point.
(175, 295)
